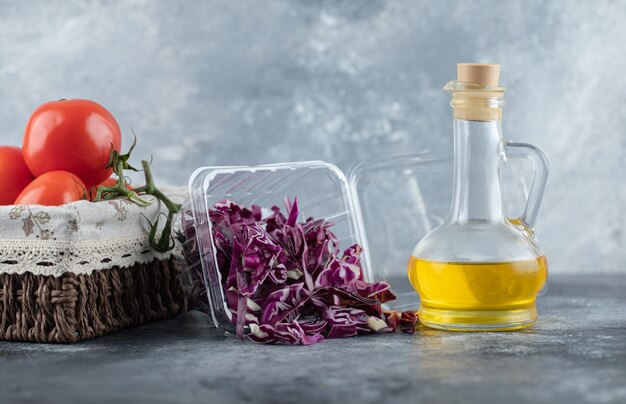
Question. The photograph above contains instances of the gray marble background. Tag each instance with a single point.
(248, 82)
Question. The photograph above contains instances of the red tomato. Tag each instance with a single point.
(53, 189)
(14, 174)
(71, 135)
(109, 182)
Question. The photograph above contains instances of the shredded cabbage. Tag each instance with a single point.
(288, 283)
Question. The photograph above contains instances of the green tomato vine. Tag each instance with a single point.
(162, 241)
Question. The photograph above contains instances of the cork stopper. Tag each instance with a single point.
(476, 95)
(477, 73)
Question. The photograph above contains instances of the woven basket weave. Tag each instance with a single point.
(83, 270)
(72, 307)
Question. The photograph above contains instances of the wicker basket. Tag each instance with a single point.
(58, 284)
(72, 307)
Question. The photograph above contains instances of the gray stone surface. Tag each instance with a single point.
(575, 353)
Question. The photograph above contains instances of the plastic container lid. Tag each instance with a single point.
(386, 205)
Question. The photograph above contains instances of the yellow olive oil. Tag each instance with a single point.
(481, 296)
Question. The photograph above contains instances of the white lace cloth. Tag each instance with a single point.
(79, 237)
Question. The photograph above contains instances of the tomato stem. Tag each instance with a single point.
(151, 189)
(119, 163)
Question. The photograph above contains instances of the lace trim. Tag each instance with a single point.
(53, 257)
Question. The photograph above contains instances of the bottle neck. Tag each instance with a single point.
(478, 153)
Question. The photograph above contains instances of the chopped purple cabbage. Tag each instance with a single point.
(286, 281)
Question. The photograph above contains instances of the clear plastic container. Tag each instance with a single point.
(385, 204)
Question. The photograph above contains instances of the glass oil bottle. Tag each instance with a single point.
(479, 270)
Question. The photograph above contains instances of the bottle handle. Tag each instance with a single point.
(541, 167)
